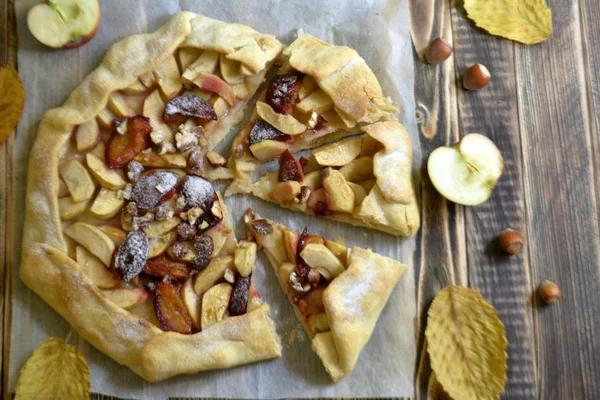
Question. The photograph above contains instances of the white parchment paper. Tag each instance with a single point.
(378, 29)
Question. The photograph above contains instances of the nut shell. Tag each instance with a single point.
(548, 292)
(438, 51)
(476, 77)
(511, 241)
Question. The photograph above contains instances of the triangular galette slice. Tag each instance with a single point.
(321, 94)
(337, 293)
(365, 181)
(193, 98)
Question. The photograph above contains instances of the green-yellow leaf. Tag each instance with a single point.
(12, 98)
(467, 344)
(526, 21)
(55, 370)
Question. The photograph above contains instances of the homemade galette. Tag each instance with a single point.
(337, 293)
(124, 235)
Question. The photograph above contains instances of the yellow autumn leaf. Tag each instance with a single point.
(466, 343)
(55, 370)
(12, 98)
(526, 21)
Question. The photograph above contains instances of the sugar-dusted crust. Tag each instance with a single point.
(48, 271)
(344, 76)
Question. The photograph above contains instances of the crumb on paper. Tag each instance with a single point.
(292, 338)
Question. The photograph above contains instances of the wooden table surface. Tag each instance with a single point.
(542, 109)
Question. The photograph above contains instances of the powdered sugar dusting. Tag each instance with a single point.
(150, 189)
(351, 300)
(132, 255)
(189, 106)
(264, 131)
(198, 191)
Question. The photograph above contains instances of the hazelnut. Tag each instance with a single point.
(438, 51)
(549, 292)
(511, 241)
(476, 77)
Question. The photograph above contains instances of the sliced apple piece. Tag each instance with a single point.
(230, 70)
(359, 193)
(167, 76)
(160, 244)
(290, 239)
(87, 135)
(285, 270)
(153, 108)
(126, 297)
(64, 24)
(207, 62)
(268, 149)
(246, 71)
(358, 170)
(136, 87)
(313, 180)
(108, 178)
(102, 277)
(245, 257)
(309, 85)
(63, 190)
(285, 123)
(148, 79)
(182, 251)
(319, 257)
(151, 159)
(212, 273)
(117, 235)
(192, 302)
(214, 304)
(214, 84)
(220, 105)
(215, 159)
(69, 208)
(158, 228)
(338, 154)
(339, 250)
(318, 101)
(271, 238)
(93, 239)
(107, 204)
(187, 55)
(105, 118)
(285, 192)
(118, 106)
(467, 173)
(340, 196)
(78, 180)
(370, 146)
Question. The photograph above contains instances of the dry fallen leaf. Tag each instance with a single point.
(526, 21)
(467, 344)
(12, 98)
(55, 370)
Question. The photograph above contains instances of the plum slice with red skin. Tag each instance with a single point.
(165, 267)
(122, 148)
(179, 108)
(282, 93)
(132, 254)
(238, 302)
(262, 130)
(198, 192)
(170, 309)
(154, 189)
(290, 168)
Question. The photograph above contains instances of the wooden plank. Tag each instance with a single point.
(8, 41)
(503, 280)
(562, 211)
(590, 15)
(441, 240)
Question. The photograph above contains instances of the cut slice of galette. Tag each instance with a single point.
(124, 236)
(336, 292)
(322, 93)
(364, 180)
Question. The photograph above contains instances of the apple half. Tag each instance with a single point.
(467, 172)
(64, 24)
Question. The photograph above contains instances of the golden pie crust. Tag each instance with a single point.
(46, 267)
